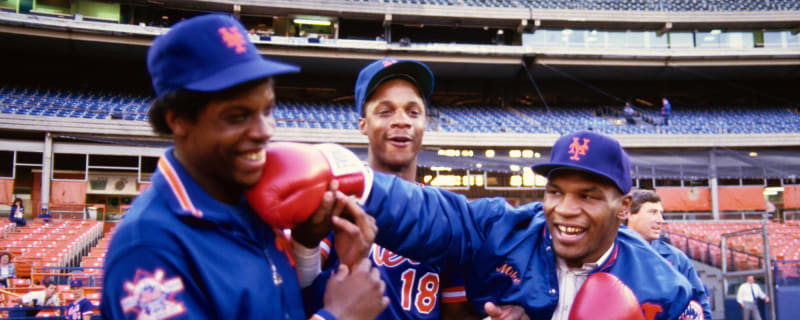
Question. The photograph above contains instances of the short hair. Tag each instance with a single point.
(17, 200)
(188, 104)
(639, 197)
(6, 253)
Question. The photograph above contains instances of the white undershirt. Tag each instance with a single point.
(4, 271)
(570, 281)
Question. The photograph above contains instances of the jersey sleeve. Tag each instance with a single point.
(431, 225)
(152, 282)
(86, 307)
(699, 294)
(453, 287)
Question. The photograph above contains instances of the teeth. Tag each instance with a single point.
(256, 156)
(566, 229)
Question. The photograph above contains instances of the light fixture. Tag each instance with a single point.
(753, 154)
(490, 153)
(312, 22)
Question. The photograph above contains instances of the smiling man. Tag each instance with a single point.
(537, 256)
(391, 97)
(190, 246)
(647, 220)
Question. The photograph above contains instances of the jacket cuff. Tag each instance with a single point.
(323, 314)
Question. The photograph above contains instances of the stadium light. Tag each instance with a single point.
(716, 31)
(753, 154)
(515, 153)
(514, 167)
(516, 181)
(527, 153)
(478, 165)
(313, 22)
(490, 153)
(441, 168)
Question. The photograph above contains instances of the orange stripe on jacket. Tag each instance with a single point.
(177, 187)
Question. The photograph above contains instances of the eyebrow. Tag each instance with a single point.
(589, 189)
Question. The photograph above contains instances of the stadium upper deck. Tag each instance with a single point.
(644, 5)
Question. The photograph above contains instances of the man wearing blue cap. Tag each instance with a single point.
(538, 256)
(191, 247)
(391, 98)
(81, 307)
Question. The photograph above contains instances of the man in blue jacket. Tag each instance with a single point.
(538, 255)
(646, 219)
(191, 247)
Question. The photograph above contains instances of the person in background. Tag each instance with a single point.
(629, 113)
(746, 297)
(81, 307)
(45, 215)
(7, 269)
(44, 298)
(666, 109)
(17, 214)
(647, 220)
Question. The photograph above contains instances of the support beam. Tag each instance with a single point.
(47, 167)
(387, 27)
(712, 183)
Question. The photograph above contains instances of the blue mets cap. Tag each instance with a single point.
(387, 68)
(207, 53)
(592, 152)
(76, 283)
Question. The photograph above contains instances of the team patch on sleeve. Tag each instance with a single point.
(151, 296)
(694, 311)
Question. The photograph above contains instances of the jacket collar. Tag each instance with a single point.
(186, 197)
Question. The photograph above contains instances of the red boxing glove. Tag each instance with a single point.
(604, 296)
(296, 175)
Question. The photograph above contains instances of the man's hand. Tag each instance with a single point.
(352, 241)
(766, 299)
(357, 293)
(506, 312)
(312, 231)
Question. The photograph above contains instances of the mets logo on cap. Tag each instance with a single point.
(577, 149)
(233, 38)
(388, 62)
(151, 296)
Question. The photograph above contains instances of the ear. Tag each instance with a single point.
(178, 125)
(624, 207)
(362, 125)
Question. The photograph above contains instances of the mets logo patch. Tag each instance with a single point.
(577, 150)
(152, 297)
(694, 311)
(233, 38)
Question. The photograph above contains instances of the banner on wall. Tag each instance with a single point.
(6, 191)
(791, 197)
(111, 184)
(685, 199)
(67, 192)
(741, 198)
